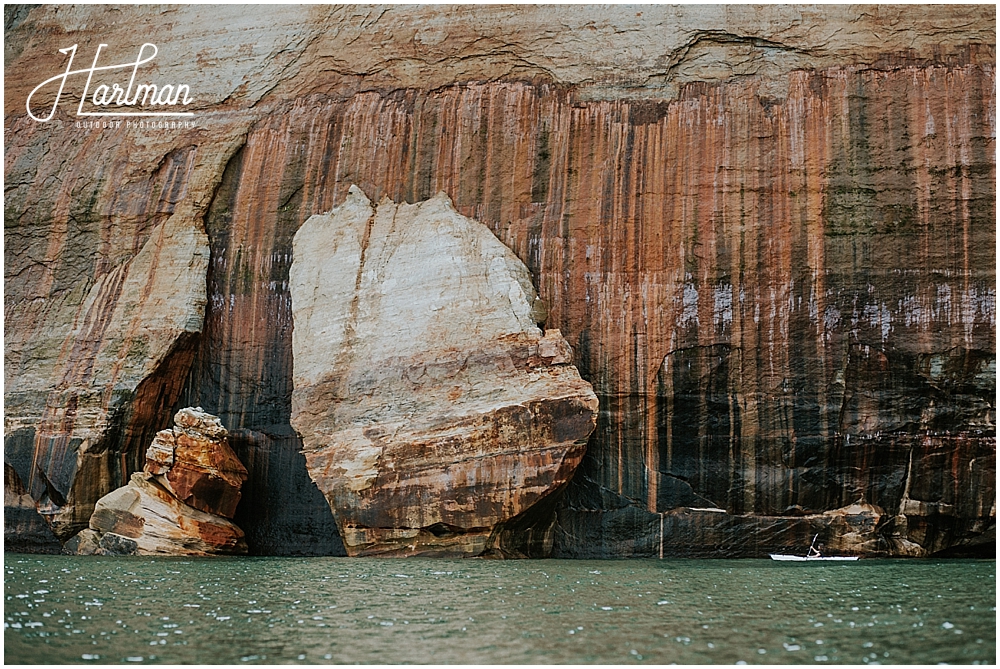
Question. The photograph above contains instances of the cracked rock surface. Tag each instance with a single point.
(433, 411)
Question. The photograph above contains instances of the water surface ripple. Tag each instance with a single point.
(62, 609)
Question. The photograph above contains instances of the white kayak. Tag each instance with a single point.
(800, 558)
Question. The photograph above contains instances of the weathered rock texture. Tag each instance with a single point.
(195, 464)
(90, 359)
(433, 411)
(179, 504)
(768, 234)
(25, 531)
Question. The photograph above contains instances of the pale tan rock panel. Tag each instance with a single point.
(431, 407)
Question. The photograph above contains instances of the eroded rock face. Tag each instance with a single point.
(768, 233)
(195, 463)
(92, 361)
(432, 408)
(25, 531)
(143, 518)
(180, 504)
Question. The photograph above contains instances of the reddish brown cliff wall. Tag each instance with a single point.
(779, 276)
(748, 283)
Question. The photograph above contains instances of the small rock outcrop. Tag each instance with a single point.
(194, 462)
(180, 504)
(437, 418)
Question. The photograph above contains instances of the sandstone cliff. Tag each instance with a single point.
(767, 233)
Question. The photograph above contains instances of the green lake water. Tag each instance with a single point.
(102, 610)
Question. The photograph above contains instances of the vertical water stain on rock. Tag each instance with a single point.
(24, 529)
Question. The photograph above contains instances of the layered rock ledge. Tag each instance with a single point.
(182, 501)
(437, 417)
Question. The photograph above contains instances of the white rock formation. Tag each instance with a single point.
(432, 408)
